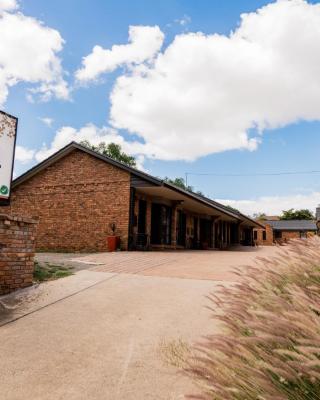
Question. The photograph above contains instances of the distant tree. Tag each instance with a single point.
(260, 216)
(180, 182)
(296, 214)
(232, 208)
(111, 150)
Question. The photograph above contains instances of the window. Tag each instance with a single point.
(264, 235)
(303, 234)
(255, 235)
(277, 234)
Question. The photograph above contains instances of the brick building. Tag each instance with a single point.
(281, 231)
(76, 194)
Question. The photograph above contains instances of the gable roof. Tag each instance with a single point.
(143, 175)
(293, 225)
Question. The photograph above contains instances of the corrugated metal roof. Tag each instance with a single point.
(293, 225)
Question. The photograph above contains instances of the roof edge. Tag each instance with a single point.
(156, 181)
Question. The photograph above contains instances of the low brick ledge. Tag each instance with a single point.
(28, 220)
(17, 245)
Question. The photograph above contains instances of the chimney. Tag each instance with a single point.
(318, 213)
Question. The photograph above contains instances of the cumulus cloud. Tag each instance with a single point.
(144, 44)
(274, 205)
(47, 121)
(24, 155)
(94, 135)
(211, 93)
(28, 53)
(185, 20)
(8, 5)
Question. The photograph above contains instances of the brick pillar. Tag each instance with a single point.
(17, 246)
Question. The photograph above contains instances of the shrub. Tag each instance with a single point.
(268, 347)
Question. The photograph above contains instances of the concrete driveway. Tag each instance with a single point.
(97, 334)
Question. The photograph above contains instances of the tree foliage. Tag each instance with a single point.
(296, 214)
(111, 150)
(180, 182)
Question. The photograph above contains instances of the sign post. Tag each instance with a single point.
(8, 135)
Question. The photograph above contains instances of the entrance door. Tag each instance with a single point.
(205, 233)
(142, 216)
(195, 233)
(161, 217)
(181, 228)
(142, 237)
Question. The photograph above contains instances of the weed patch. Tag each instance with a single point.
(47, 272)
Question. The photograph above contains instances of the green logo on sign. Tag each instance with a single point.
(4, 190)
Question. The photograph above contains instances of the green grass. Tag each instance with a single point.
(48, 272)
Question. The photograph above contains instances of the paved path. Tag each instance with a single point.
(212, 265)
(97, 334)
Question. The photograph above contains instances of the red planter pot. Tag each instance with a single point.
(113, 242)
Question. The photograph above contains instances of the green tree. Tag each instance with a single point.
(260, 216)
(111, 150)
(296, 214)
(179, 182)
(232, 208)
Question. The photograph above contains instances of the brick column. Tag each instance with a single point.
(17, 244)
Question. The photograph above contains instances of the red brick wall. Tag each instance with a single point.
(269, 236)
(287, 235)
(17, 239)
(75, 200)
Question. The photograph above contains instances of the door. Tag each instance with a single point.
(205, 233)
(161, 217)
(181, 228)
(195, 233)
(142, 217)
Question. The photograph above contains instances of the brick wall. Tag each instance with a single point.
(287, 235)
(268, 236)
(76, 199)
(17, 239)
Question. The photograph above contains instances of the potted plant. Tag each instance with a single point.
(113, 240)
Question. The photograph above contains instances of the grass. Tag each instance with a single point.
(268, 344)
(47, 272)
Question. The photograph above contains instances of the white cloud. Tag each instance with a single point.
(47, 121)
(274, 205)
(28, 53)
(185, 20)
(204, 93)
(8, 5)
(94, 135)
(24, 155)
(144, 44)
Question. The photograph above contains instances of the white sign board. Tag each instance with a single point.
(8, 132)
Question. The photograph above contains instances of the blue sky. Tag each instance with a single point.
(290, 143)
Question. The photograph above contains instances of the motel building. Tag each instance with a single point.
(81, 197)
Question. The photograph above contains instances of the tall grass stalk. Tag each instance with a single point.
(268, 347)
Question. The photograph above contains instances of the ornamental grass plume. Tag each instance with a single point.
(268, 347)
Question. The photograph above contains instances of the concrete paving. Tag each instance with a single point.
(97, 334)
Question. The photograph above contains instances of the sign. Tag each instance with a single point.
(8, 134)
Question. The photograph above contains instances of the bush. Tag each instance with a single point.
(269, 345)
